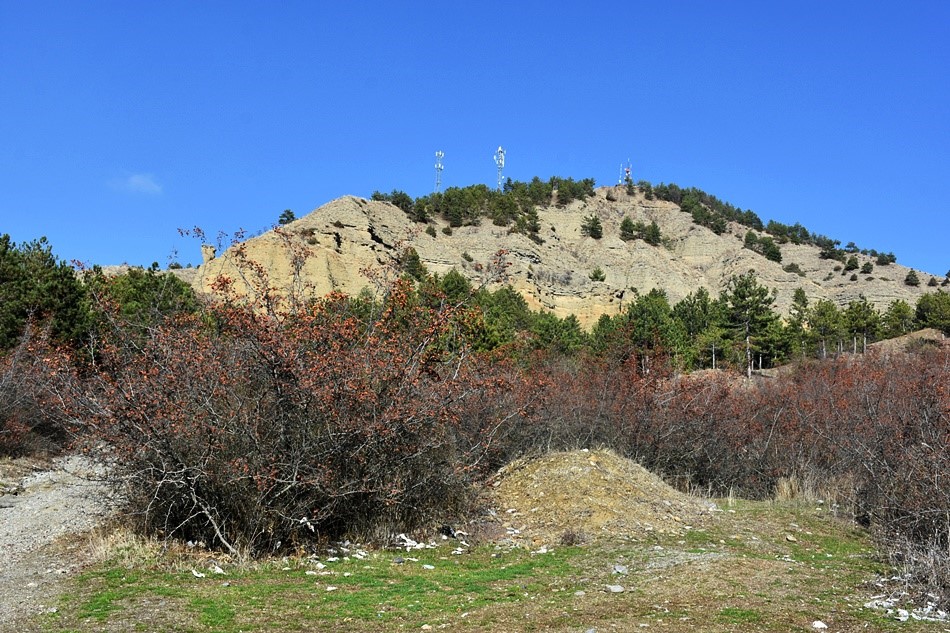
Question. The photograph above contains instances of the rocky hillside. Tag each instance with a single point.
(351, 243)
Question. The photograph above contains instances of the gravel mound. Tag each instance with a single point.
(588, 495)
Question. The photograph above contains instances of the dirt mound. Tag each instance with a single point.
(588, 495)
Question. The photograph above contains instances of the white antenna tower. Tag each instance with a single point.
(500, 161)
(626, 173)
(438, 170)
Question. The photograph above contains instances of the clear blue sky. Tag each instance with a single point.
(121, 122)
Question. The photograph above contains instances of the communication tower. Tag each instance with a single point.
(438, 170)
(500, 161)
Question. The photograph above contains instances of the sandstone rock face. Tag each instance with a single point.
(351, 244)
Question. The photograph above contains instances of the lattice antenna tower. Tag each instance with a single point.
(624, 173)
(439, 155)
(500, 162)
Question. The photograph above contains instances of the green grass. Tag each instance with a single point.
(737, 573)
(733, 615)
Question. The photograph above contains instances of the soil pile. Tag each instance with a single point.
(588, 495)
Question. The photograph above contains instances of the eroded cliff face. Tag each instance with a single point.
(351, 244)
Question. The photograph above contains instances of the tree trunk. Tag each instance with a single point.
(748, 356)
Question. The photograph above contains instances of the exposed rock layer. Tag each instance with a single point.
(352, 243)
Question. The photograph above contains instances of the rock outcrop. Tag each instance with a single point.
(352, 243)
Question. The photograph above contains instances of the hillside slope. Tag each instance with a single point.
(348, 243)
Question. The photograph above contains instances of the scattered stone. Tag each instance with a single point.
(615, 589)
(620, 569)
(790, 538)
(399, 560)
(818, 624)
(197, 574)
(428, 566)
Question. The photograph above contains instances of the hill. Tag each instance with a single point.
(348, 243)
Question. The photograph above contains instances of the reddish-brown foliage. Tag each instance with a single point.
(252, 431)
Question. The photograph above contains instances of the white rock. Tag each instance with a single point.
(615, 588)
(818, 624)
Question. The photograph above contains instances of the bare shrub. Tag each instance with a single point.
(256, 432)
(29, 423)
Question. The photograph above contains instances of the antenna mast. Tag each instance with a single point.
(500, 161)
(624, 177)
(438, 170)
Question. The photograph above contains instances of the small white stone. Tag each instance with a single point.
(818, 624)
(615, 588)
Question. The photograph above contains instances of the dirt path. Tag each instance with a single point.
(39, 510)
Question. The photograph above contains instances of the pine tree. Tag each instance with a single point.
(749, 310)
(592, 227)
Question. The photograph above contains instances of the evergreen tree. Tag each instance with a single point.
(701, 318)
(825, 325)
(36, 286)
(592, 227)
(412, 264)
(651, 327)
(561, 336)
(286, 217)
(652, 234)
(912, 279)
(798, 316)
(933, 310)
(898, 319)
(456, 287)
(863, 321)
(770, 249)
(628, 230)
(749, 311)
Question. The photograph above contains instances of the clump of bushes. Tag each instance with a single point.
(254, 432)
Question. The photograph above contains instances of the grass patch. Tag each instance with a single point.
(739, 572)
(733, 615)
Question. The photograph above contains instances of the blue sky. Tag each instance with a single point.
(121, 122)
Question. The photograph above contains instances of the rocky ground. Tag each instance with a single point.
(44, 506)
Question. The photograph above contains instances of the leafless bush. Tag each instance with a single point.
(255, 433)
(29, 423)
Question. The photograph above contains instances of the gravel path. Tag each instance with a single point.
(36, 517)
